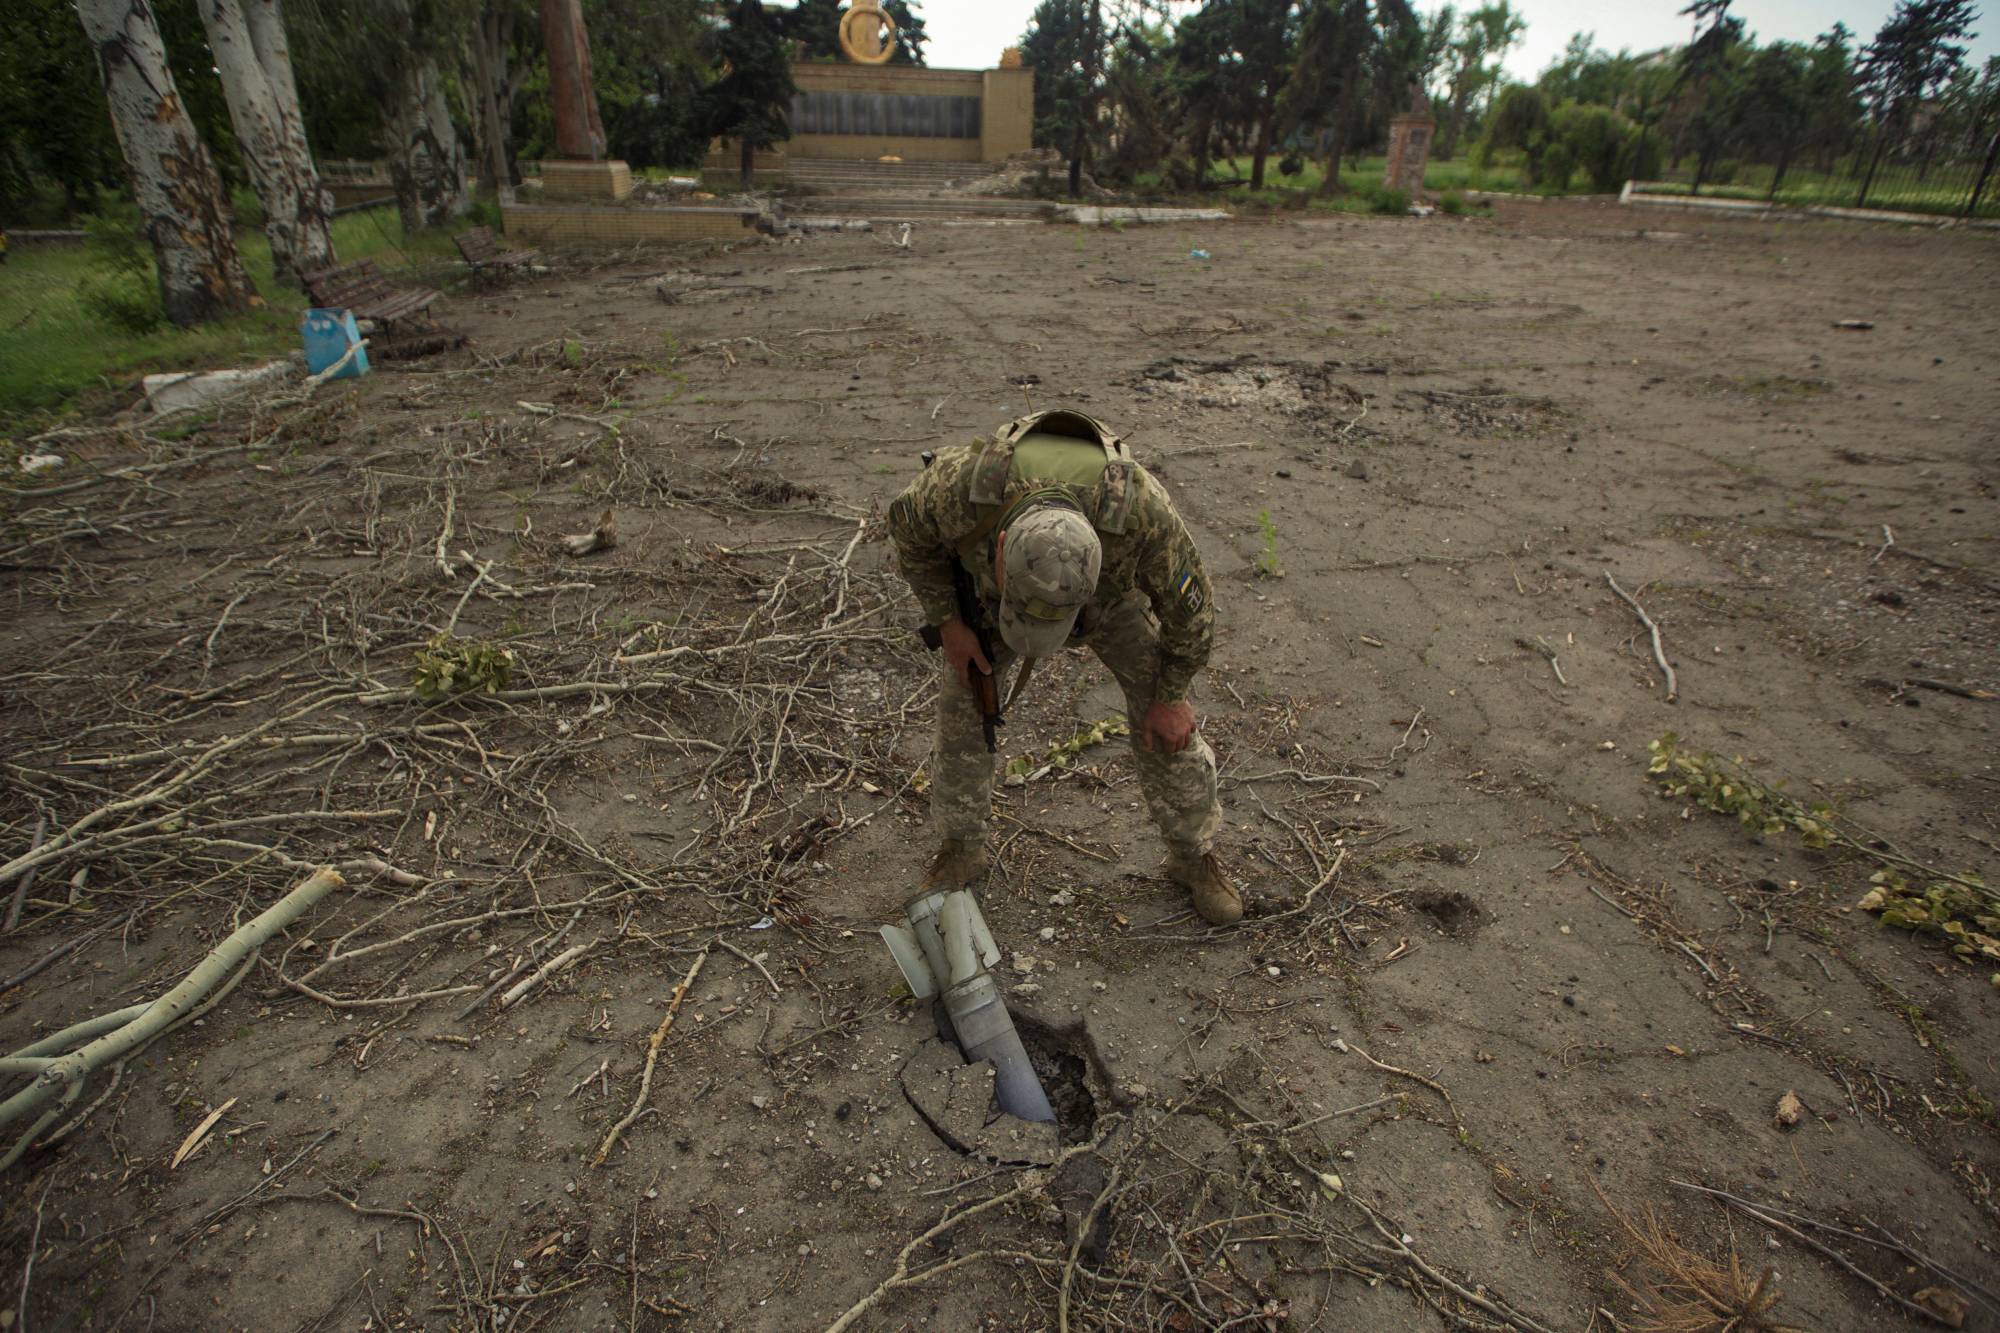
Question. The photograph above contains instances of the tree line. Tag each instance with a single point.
(173, 104)
(1138, 93)
(176, 105)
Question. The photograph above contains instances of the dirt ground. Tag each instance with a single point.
(1494, 993)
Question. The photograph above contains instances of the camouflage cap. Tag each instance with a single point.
(1050, 562)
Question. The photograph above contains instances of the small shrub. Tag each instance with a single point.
(121, 290)
(1969, 923)
(115, 239)
(1267, 559)
(1452, 202)
(1646, 155)
(448, 666)
(1386, 200)
(1291, 164)
(123, 300)
(1729, 789)
(1064, 753)
(1557, 165)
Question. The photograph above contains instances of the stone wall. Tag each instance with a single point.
(1006, 117)
(816, 77)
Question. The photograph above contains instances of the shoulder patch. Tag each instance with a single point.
(1188, 586)
(903, 512)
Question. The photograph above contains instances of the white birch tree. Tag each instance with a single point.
(281, 168)
(180, 197)
(426, 161)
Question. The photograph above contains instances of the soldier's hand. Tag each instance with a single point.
(961, 649)
(1168, 727)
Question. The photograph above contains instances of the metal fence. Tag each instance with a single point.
(1947, 187)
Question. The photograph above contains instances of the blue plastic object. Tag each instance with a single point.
(328, 335)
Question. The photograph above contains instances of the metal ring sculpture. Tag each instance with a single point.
(868, 35)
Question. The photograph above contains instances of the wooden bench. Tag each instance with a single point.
(483, 252)
(360, 287)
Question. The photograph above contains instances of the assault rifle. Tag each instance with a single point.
(985, 689)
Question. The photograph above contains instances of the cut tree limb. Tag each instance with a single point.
(544, 972)
(64, 1078)
(652, 1059)
(21, 889)
(1659, 648)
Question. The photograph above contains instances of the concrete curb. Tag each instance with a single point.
(1633, 195)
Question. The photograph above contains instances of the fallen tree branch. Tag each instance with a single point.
(901, 1277)
(1881, 1288)
(1432, 1084)
(1659, 648)
(27, 880)
(1541, 645)
(65, 1076)
(544, 972)
(652, 1059)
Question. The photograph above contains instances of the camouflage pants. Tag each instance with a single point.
(1179, 788)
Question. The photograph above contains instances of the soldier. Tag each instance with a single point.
(1065, 541)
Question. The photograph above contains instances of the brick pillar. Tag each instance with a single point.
(1410, 136)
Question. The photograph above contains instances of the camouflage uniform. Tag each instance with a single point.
(1153, 628)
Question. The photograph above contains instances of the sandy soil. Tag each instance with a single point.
(1525, 994)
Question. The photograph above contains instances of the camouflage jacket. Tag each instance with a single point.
(1154, 555)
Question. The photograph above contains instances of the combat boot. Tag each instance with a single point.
(958, 865)
(1216, 899)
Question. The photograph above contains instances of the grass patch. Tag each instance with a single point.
(1267, 559)
(1229, 183)
(63, 339)
(1897, 188)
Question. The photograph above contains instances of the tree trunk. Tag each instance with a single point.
(1343, 117)
(572, 95)
(496, 99)
(1093, 57)
(1778, 174)
(1461, 96)
(314, 208)
(747, 163)
(1262, 152)
(274, 148)
(1985, 172)
(425, 161)
(180, 197)
(1874, 161)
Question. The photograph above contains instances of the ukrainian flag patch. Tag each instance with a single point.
(1188, 587)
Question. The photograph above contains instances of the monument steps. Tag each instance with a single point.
(899, 208)
(891, 177)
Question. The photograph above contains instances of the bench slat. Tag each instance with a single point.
(482, 249)
(360, 287)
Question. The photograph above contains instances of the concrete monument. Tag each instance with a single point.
(1410, 136)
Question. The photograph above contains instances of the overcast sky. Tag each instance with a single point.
(970, 34)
